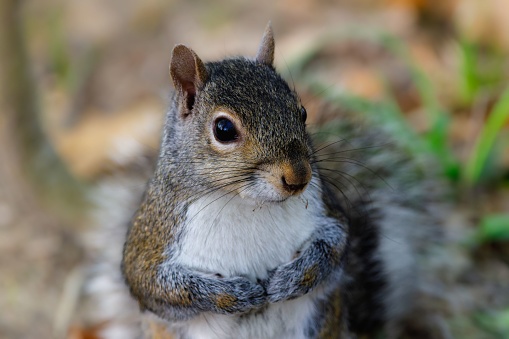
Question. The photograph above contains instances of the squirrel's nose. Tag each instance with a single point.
(296, 177)
(292, 187)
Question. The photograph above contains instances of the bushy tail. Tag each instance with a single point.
(395, 205)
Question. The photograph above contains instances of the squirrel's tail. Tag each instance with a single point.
(395, 205)
(110, 304)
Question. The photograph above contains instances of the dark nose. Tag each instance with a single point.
(296, 176)
(292, 187)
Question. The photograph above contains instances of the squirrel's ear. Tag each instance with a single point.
(265, 53)
(188, 73)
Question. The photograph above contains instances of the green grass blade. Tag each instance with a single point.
(485, 142)
(468, 77)
(439, 118)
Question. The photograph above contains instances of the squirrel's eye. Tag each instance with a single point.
(224, 130)
(304, 114)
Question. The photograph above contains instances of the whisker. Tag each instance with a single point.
(353, 149)
(210, 190)
(208, 160)
(355, 162)
(229, 200)
(348, 178)
(317, 95)
(328, 145)
(206, 173)
(346, 199)
(221, 196)
(243, 188)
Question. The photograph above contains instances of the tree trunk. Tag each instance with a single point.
(26, 153)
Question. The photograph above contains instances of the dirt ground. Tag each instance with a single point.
(101, 74)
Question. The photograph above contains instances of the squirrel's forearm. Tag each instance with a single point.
(331, 239)
(176, 293)
(316, 264)
(325, 253)
(171, 295)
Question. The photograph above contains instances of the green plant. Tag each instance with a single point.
(493, 227)
(485, 143)
(495, 322)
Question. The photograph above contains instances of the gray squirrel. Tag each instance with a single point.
(247, 230)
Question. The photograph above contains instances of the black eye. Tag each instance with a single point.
(224, 130)
(304, 114)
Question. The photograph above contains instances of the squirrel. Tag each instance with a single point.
(243, 233)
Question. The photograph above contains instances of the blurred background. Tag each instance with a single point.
(84, 85)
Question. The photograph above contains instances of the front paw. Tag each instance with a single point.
(292, 280)
(319, 262)
(237, 295)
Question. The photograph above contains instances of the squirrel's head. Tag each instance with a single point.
(236, 125)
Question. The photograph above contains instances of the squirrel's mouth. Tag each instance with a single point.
(276, 201)
(264, 192)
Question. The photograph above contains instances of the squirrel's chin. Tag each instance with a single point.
(266, 193)
(260, 198)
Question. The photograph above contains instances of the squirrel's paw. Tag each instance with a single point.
(236, 295)
(291, 280)
(303, 274)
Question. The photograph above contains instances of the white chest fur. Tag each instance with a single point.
(235, 237)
